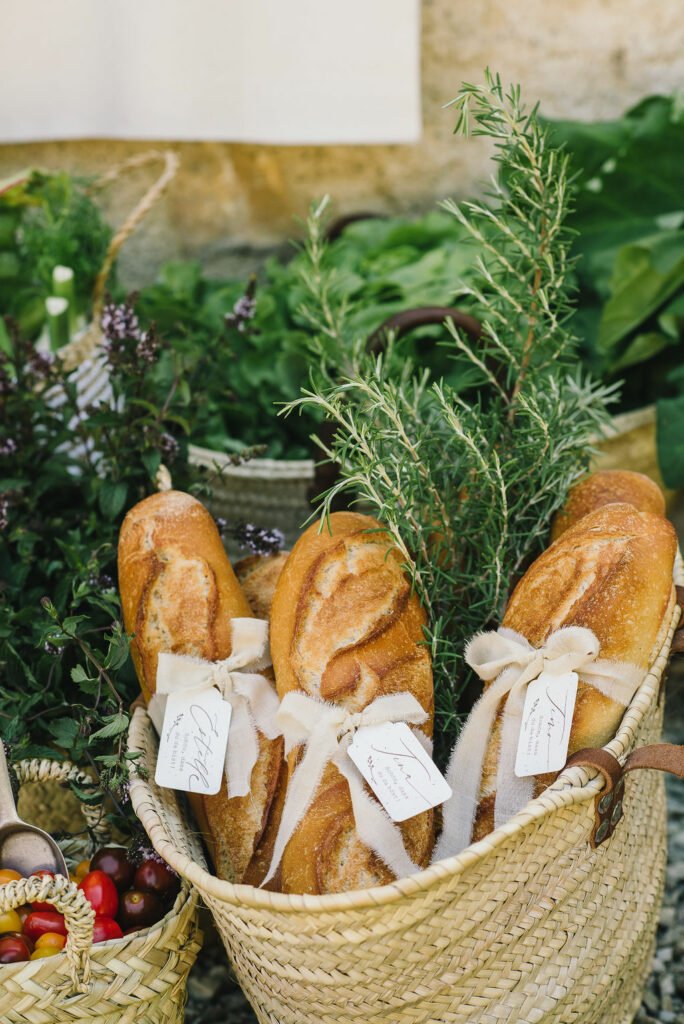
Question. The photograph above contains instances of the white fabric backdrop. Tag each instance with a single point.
(271, 71)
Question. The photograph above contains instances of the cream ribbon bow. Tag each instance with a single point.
(512, 662)
(327, 730)
(238, 679)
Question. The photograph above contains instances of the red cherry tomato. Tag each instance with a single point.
(106, 928)
(140, 909)
(24, 912)
(42, 906)
(101, 893)
(41, 921)
(13, 950)
(155, 876)
(113, 860)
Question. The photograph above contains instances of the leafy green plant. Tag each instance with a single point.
(67, 476)
(466, 478)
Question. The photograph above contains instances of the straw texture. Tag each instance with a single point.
(529, 924)
(140, 978)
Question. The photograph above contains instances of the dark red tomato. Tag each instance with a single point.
(19, 935)
(113, 860)
(139, 909)
(101, 893)
(13, 950)
(24, 912)
(41, 921)
(105, 928)
(157, 877)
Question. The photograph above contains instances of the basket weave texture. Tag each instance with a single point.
(530, 924)
(140, 978)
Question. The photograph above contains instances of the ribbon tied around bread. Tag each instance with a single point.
(239, 680)
(508, 662)
(326, 731)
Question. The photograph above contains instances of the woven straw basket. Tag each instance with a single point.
(140, 978)
(531, 924)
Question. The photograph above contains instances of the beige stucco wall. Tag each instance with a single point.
(585, 58)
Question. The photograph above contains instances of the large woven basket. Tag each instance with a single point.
(530, 924)
(140, 978)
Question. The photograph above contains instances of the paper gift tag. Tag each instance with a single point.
(546, 724)
(397, 768)
(194, 738)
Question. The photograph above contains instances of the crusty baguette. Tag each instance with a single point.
(608, 487)
(345, 627)
(179, 593)
(612, 573)
(258, 576)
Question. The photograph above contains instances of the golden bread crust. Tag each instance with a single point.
(346, 628)
(258, 576)
(178, 594)
(608, 487)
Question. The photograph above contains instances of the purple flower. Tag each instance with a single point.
(8, 446)
(147, 347)
(258, 539)
(243, 311)
(120, 323)
(169, 447)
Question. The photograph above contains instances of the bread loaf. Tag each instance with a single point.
(345, 627)
(612, 573)
(607, 487)
(258, 576)
(179, 594)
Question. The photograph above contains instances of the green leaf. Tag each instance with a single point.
(64, 731)
(112, 498)
(114, 725)
(151, 461)
(670, 436)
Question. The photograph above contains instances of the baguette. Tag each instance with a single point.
(258, 576)
(612, 573)
(608, 487)
(179, 594)
(346, 628)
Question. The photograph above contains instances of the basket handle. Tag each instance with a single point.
(422, 316)
(64, 772)
(171, 163)
(69, 900)
(608, 805)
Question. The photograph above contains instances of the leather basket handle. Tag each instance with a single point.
(422, 316)
(608, 805)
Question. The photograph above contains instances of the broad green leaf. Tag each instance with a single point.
(670, 435)
(112, 498)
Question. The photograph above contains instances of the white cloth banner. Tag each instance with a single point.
(263, 71)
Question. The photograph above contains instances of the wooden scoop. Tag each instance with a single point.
(23, 847)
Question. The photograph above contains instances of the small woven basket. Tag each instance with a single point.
(140, 978)
(531, 924)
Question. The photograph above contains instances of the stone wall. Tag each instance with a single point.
(588, 58)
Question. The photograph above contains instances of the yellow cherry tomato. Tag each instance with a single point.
(81, 870)
(10, 922)
(39, 954)
(51, 940)
(8, 875)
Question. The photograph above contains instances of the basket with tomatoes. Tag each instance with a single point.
(114, 942)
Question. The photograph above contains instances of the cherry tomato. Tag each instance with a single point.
(19, 935)
(81, 870)
(40, 954)
(10, 921)
(41, 921)
(51, 940)
(39, 905)
(139, 909)
(155, 876)
(24, 912)
(113, 860)
(13, 950)
(8, 875)
(101, 893)
(106, 928)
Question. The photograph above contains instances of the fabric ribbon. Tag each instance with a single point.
(238, 678)
(326, 731)
(508, 662)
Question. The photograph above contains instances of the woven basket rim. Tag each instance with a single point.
(286, 469)
(573, 786)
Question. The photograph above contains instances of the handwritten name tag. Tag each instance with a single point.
(546, 724)
(402, 775)
(193, 742)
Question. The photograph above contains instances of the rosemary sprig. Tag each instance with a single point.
(466, 481)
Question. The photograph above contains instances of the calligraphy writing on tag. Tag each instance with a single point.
(398, 769)
(193, 741)
(546, 724)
